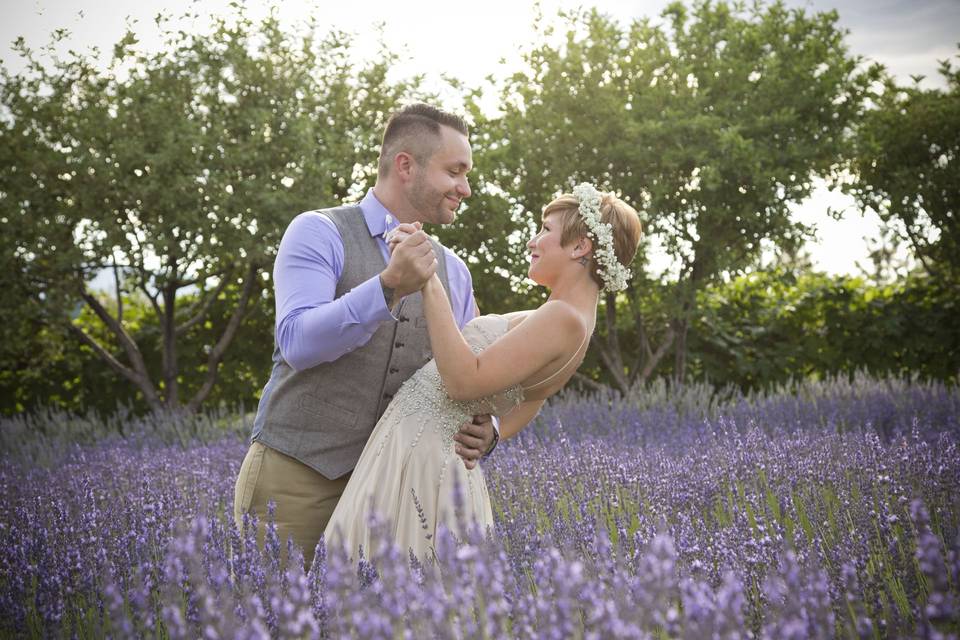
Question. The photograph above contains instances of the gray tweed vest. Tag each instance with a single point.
(322, 416)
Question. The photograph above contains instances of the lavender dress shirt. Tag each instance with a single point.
(313, 327)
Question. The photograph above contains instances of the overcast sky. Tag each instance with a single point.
(468, 40)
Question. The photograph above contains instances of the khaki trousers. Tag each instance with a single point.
(304, 498)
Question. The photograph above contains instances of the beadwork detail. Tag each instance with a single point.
(424, 391)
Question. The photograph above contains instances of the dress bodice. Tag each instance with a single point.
(409, 470)
(424, 391)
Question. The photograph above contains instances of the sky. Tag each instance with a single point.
(471, 40)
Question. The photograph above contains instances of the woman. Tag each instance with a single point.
(505, 365)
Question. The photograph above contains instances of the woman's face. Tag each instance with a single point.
(547, 256)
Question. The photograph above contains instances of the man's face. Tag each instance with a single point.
(440, 184)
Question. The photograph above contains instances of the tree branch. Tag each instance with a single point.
(129, 346)
(921, 247)
(142, 382)
(202, 308)
(615, 367)
(658, 355)
(216, 355)
(152, 297)
(587, 382)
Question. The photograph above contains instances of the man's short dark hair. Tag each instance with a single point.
(416, 129)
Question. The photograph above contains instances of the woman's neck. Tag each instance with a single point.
(583, 294)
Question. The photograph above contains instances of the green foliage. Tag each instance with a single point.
(756, 332)
(765, 329)
(907, 167)
(713, 123)
(72, 377)
(179, 170)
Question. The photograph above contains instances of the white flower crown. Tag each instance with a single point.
(613, 274)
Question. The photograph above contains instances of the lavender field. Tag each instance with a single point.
(823, 510)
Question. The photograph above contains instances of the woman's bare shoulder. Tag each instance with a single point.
(514, 318)
(561, 315)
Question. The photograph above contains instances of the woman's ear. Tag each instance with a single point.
(583, 248)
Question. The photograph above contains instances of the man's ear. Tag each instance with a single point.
(403, 164)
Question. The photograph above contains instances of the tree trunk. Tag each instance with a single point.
(680, 352)
(168, 330)
(645, 362)
(136, 372)
(610, 348)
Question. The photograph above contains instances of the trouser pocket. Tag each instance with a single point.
(247, 481)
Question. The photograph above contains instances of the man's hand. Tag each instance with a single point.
(411, 265)
(474, 439)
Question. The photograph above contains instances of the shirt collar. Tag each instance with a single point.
(379, 219)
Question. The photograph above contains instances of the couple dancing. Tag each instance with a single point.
(387, 386)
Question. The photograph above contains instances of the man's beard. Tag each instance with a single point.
(428, 202)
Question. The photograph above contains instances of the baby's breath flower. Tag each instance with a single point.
(613, 274)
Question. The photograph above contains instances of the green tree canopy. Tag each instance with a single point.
(179, 171)
(907, 167)
(713, 123)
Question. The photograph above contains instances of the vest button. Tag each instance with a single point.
(397, 344)
(394, 370)
(387, 396)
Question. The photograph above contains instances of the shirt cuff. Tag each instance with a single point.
(368, 303)
(496, 435)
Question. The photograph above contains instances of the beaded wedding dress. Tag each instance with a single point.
(409, 473)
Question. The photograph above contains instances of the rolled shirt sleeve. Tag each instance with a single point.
(312, 325)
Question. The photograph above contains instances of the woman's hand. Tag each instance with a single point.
(401, 232)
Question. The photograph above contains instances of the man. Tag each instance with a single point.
(350, 326)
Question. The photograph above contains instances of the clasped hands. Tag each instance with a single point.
(412, 264)
(412, 261)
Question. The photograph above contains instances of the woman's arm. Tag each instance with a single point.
(514, 422)
(552, 332)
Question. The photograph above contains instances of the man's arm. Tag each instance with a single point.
(312, 326)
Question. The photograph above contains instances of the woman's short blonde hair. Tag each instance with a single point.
(622, 218)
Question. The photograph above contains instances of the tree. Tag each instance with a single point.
(907, 168)
(177, 172)
(712, 123)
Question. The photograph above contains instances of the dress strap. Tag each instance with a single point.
(560, 370)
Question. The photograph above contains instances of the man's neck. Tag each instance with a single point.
(394, 202)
